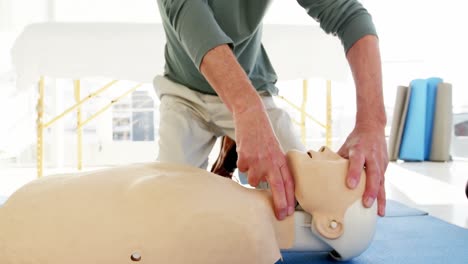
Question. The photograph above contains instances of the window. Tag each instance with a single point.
(460, 135)
(133, 118)
(461, 129)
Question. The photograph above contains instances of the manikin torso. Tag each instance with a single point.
(149, 213)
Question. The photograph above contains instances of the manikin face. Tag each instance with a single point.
(338, 216)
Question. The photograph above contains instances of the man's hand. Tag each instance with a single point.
(258, 149)
(261, 157)
(366, 146)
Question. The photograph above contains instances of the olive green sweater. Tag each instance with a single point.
(193, 27)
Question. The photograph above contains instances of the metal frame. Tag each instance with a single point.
(41, 124)
(302, 109)
(40, 129)
(79, 129)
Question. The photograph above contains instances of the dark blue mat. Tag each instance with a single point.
(404, 240)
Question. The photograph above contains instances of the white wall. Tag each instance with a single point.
(14, 15)
(142, 11)
(421, 38)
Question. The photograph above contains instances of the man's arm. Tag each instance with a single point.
(258, 149)
(366, 145)
(259, 153)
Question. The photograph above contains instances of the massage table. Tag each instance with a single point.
(404, 236)
(135, 52)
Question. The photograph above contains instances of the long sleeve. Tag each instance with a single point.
(347, 19)
(195, 27)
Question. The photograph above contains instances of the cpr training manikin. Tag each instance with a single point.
(168, 213)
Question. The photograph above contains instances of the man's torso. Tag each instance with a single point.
(241, 21)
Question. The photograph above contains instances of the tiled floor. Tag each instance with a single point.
(437, 188)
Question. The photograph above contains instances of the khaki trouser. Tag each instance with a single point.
(190, 123)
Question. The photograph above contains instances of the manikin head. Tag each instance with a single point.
(333, 213)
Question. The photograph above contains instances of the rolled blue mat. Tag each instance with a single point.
(413, 139)
(432, 84)
(417, 135)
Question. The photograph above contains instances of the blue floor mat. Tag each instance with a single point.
(404, 240)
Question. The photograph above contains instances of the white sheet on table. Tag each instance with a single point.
(135, 52)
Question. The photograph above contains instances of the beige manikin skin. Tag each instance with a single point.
(320, 179)
(164, 213)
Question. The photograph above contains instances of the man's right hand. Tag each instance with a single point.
(261, 157)
(259, 152)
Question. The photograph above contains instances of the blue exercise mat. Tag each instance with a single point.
(412, 141)
(404, 240)
(417, 134)
(432, 84)
(413, 138)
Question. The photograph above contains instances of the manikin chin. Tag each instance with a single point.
(168, 213)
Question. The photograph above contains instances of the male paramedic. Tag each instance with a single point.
(218, 81)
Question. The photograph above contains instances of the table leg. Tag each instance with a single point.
(79, 129)
(303, 111)
(40, 129)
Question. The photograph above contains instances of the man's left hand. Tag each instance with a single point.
(366, 147)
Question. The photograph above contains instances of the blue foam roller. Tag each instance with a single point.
(413, 139)
(432, 84)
